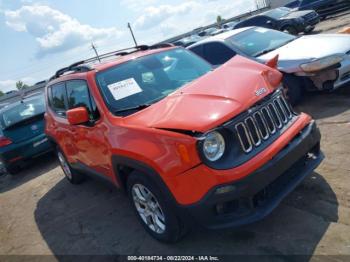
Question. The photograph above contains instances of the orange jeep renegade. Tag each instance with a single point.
(186, 142)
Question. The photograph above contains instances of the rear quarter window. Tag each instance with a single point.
(57, 99)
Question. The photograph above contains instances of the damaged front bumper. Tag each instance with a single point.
(330, 79)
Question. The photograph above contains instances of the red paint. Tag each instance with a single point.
(15, 159)
(4, 141)
(273, 62)
(77, 116)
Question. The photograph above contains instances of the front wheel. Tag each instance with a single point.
(153, 209)
(71, 175)
(290, 29)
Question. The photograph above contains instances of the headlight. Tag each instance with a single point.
(213, 146)
(322, 63)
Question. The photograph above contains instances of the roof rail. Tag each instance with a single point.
(76, 68)
(81, 66)
(161, 45)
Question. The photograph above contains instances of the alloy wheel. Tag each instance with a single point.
(148, 208)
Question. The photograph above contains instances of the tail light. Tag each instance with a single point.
(4, 141)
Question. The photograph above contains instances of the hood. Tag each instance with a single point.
(302, 50)
(210, 100)
(297, 14)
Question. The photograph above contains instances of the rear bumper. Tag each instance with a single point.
(255, 196)
(16, 153)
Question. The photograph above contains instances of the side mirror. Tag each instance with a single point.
(77, 116)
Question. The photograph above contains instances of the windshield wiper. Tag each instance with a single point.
(263, 52)
(139, 107)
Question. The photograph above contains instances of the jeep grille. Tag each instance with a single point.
(260, 125)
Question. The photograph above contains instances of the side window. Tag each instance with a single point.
(217, 53)
(249, 22)
(57, 99)
(261, 20)
(198, 50)
(79, 96)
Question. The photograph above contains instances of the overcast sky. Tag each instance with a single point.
(39, 37)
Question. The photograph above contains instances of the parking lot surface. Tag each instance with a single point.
(41, 213)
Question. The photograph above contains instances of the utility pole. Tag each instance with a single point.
(94, 48)
(132, 34)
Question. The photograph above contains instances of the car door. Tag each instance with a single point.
(89, 139)
(217, 53)
(57, 98)
(262, 21)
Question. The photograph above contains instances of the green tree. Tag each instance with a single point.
(1, 93)
(219, 21)
(20, 85)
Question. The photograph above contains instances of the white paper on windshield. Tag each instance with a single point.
(125, 88)
(261, 30)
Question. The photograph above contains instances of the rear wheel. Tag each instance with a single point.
(71, 175)
(293, 89)
(154, 209)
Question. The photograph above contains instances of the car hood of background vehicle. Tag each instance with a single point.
(307, 48)
(210, 100)
(296, 14)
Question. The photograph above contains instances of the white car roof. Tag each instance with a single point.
(222, 36)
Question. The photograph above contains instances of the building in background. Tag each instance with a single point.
(272, 3)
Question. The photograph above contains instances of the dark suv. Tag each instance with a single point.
(323, 7)
(284, 19)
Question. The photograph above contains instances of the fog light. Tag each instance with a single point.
(224, 189)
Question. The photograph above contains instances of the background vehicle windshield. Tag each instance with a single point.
(148, 79)
(278, 12)
(25, 110)
(255, 41)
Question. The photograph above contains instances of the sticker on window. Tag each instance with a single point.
(125, 88)
(261, 30)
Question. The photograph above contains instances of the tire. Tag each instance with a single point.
(71, 175)
(158, 206)
(290, 29)
(13, 170)
(293, 89)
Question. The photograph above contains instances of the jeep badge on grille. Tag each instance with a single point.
(260, 91)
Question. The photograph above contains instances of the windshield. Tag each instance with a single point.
(278, 12)
(256, 41)
(148, 79)
(25, 110)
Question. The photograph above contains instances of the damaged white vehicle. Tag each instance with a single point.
(309, 62)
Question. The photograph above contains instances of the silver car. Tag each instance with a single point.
(310, 62)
